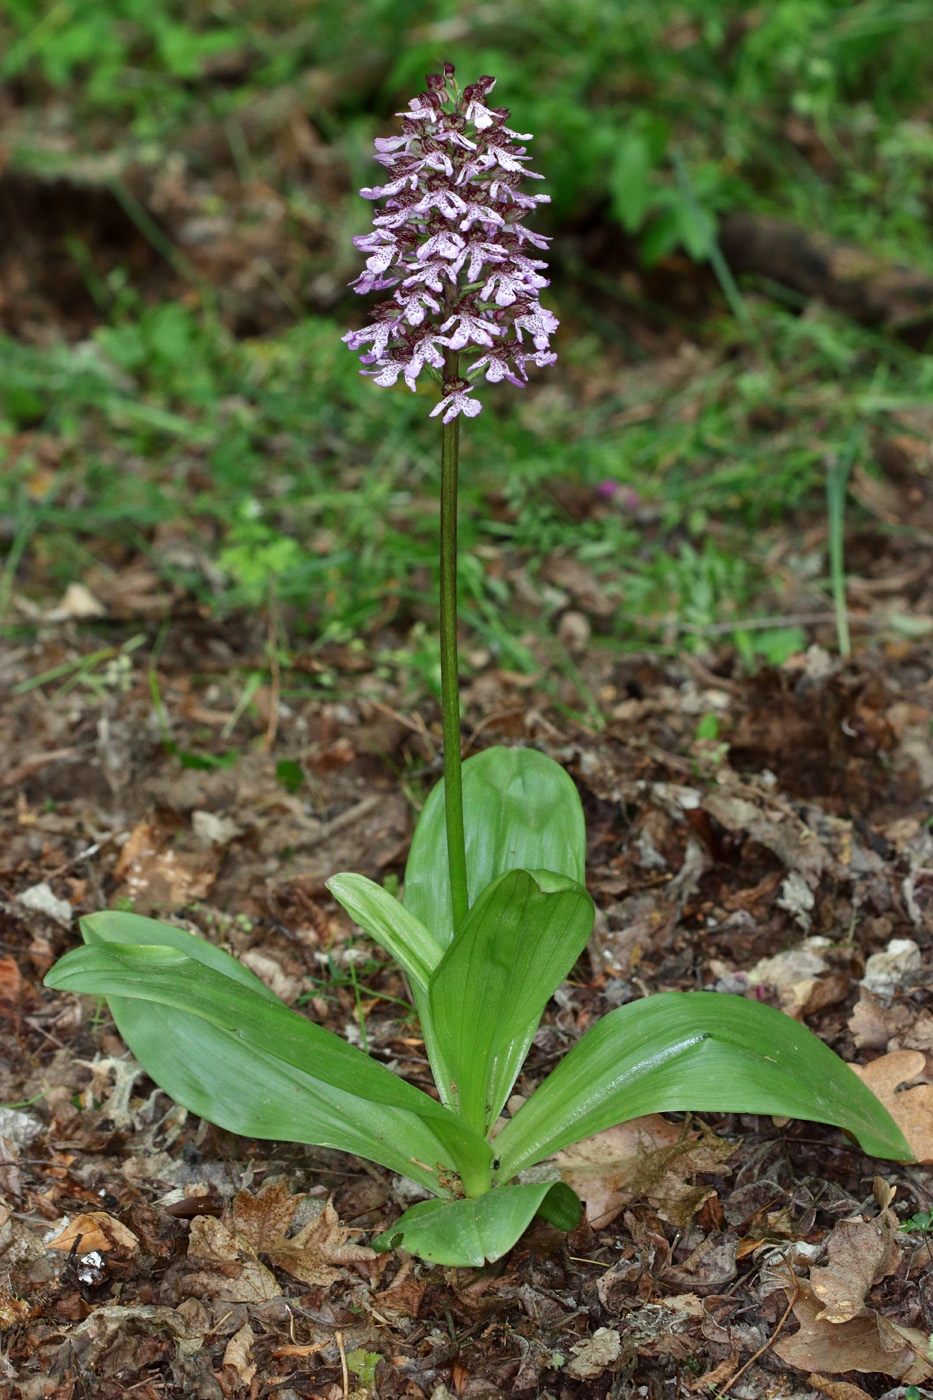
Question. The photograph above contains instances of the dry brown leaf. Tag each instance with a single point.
(911, 1109)
(112, 1324)
(781, 832)
(711, 1265)
(237, 1355)
(13, 1310)
(713, 1382)
(98, 1231)
(237, 1275)
(646, 1157)
(867, 1343)
(155, 875)
(796, 976)
(861, 1252)
(591, 1357)
(690, 1304)
(261, 1221)
(404, 1296)
(873, 1024)
(837, 1390)
(11, 981)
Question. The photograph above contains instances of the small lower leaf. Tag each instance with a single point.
(465, 1234)
(390, 924)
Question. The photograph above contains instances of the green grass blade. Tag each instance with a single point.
(701, 1051)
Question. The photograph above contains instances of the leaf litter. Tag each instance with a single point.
(699, 867)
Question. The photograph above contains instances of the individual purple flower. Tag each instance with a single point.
(451, 242)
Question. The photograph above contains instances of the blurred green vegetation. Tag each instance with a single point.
(302, 483)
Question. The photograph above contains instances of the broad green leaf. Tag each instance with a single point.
(389, 924)
(465, 1234)
(220, 1077)
(433, 1048)
(139, 977)
(113, 926)
(694, 1050)
(515, 947)
(520, 810)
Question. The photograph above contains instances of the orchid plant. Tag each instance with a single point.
(494, 913)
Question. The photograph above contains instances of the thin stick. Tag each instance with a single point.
(762, 1349)
(338, 1337)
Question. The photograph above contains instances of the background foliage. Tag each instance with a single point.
(688, 416)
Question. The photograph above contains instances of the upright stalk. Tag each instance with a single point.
(450, 686)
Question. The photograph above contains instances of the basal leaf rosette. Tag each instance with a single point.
(451, 242)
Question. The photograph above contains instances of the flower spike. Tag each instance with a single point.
(451, 242)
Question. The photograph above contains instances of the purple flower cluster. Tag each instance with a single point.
(451, 243)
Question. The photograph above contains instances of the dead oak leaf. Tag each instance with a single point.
(873, 1024)
(311, 1254)
(646, 1157)
(591, 1357)
(868, 1342)
(911, 1109)
(861, 1253)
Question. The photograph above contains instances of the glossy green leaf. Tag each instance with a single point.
(468, 1233)
(416, 951)
(520, 810)
(114, 926)
(701, 1051)
(515, 947)
(389, 924)
(434, 1050)
(214, 1011)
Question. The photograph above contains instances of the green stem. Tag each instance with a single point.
(476, 1177)
(837, 480)
(450, 688)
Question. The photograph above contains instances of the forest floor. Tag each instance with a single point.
(790, 856)
(751, 828)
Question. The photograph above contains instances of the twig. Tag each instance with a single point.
(491, 719)
(34, 763)
(762, 1349)
(355, 813)
(338, 1336)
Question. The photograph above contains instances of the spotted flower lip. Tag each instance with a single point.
(450, 241)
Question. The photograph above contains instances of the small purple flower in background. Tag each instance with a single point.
(451, 243)
(612, 490)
